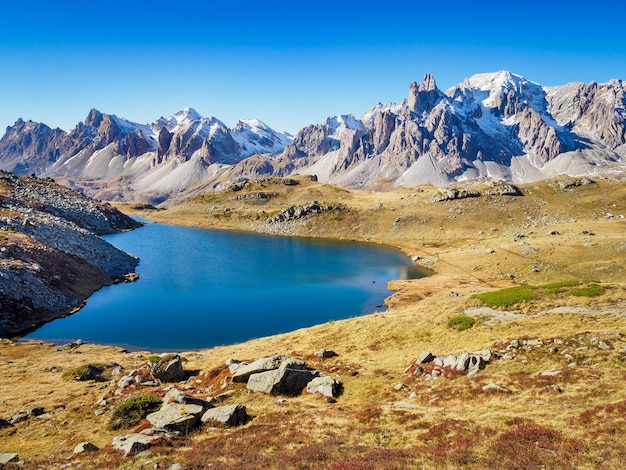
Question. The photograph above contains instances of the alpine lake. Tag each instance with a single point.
(199, 288)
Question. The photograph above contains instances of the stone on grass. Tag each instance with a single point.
(133, 443)
(325, 353)
(495, 388)
(462, 362)
(327, 386)
(91, 372)
(425, 357)
(18, 417)
(178, 396)
(176, 417)
(289, 379)
(85, 447)
(169, 369)
(243, 372)
(228, 415)
(9, 457)
(449, 361)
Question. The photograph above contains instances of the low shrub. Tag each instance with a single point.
(461, 322)
(532, 446)
(130, 413)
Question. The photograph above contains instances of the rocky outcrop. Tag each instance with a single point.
(169, 368)
(51, 257)
(289, 379)
(468, 363)
(300, 212)
(450, 194)
(540, 140)
(282, 375)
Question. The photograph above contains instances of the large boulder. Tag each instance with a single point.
(229, 415)
(291, 377)
(169, 369)
(177, 417)
(244, 371)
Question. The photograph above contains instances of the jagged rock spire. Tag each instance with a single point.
(422, 97)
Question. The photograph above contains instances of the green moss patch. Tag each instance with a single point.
(504, 298)
(461, 322)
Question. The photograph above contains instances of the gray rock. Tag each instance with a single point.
(485, 354)
(36, 411)
(605, 346)
(450, 361)
(160, 432)
(85, 447)
(425, 357)
(325, 353)
(125, 382)
(242, 373)
(327, 386)
(91, 373)
(177, 396)
(234, 364)
(289, 379)
(9, 457)
(495, 388)
(18, 417)
(133, 443)
(176, 417)
(462, 362)
(169, 369)
(4, 423)
(228, 415)
(515, 344)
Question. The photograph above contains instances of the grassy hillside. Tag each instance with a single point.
(553, 398)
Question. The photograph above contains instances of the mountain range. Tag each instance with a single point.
(495, 125)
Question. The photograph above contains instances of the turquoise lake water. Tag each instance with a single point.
(201, 288)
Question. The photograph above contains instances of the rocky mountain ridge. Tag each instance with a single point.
(497, 125)
(165, 157)
(494, 125)
(51, 257)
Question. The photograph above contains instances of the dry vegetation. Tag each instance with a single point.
(564, 399)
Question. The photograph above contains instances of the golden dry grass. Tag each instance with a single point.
(386, 417)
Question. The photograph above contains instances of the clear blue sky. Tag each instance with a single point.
(288, 63)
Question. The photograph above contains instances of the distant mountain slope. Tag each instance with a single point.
(497, 125)
(158, 159)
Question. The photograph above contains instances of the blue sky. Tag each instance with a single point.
(287, 63)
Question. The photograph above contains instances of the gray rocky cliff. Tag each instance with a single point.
(51, 258)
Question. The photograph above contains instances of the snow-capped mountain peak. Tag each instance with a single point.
(254, 136)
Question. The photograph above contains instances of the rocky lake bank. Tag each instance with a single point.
(51, 255)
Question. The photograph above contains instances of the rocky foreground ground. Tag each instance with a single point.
(51, 255)
(443, 379)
